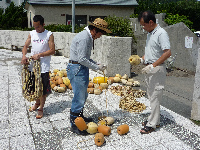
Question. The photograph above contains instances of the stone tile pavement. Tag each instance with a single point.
(20, 130)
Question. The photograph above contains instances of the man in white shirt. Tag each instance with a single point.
(157, 50)
(43, 47)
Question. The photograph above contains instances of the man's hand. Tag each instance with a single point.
(147, 69)
(36, 56)
(102, 67)
(24, 60)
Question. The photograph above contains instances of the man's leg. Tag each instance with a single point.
(79, 84)
(35, 106)
(40, 110)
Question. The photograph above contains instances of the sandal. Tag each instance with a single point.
(145, 123)
(147, 130)
(39, 116)
(33, 109)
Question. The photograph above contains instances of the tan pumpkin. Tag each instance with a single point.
(55, 88)
(63, 85)
(104, 85)
(70, 86)
(92, 128)
(99, 139)
(60, 80)
(53, 85)
(90, 85)
(55, 70)
(97, 91)
(109, 120)
(90, 90)
(55, 82)
(65, 74)
(118, 75)
(56, 77)
(112, 79)
(61, 89)
(117, 79)
(51, 82)
(60, 73)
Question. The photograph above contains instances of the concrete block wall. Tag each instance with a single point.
(113, 51)
(195, 113)
(186, 57)
(12, 37)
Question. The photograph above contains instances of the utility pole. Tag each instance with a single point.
(73, 15)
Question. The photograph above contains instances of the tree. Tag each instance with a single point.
(188, 8)
(13, 18)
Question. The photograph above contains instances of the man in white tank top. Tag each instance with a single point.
(43, 47)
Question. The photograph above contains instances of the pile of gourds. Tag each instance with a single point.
(128, 101)
(59, 81)
(100, 130)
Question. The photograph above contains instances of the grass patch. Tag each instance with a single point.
(196, 122)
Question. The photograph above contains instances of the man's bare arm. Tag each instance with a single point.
(24, 50)
(165, 55)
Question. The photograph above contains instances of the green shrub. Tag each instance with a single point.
(173, 19)
(119, 26)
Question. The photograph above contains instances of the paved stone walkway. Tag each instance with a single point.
(20, 130)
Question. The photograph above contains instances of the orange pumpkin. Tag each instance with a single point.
(122, 129)
(70, 87)
(80, 123)
(105, 130)
(99, 139)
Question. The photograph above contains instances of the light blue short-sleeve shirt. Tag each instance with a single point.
(157, 41)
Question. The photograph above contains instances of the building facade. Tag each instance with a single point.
(60, 12)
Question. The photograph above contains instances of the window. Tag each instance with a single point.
(79, 20)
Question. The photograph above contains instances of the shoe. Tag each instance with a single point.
(39, 116)
(145, 123)
(147, 130)
(75, 129)
(36, 106)
(89, 119)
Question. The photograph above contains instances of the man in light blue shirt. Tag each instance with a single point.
(157, 50)
(78, 68)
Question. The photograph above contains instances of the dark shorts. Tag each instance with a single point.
(45, 82)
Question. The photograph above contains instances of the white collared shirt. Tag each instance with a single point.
(88, 30)
(157, 41)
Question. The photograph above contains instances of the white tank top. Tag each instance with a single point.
(40, 44)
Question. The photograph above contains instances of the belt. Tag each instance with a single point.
(73, 62)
